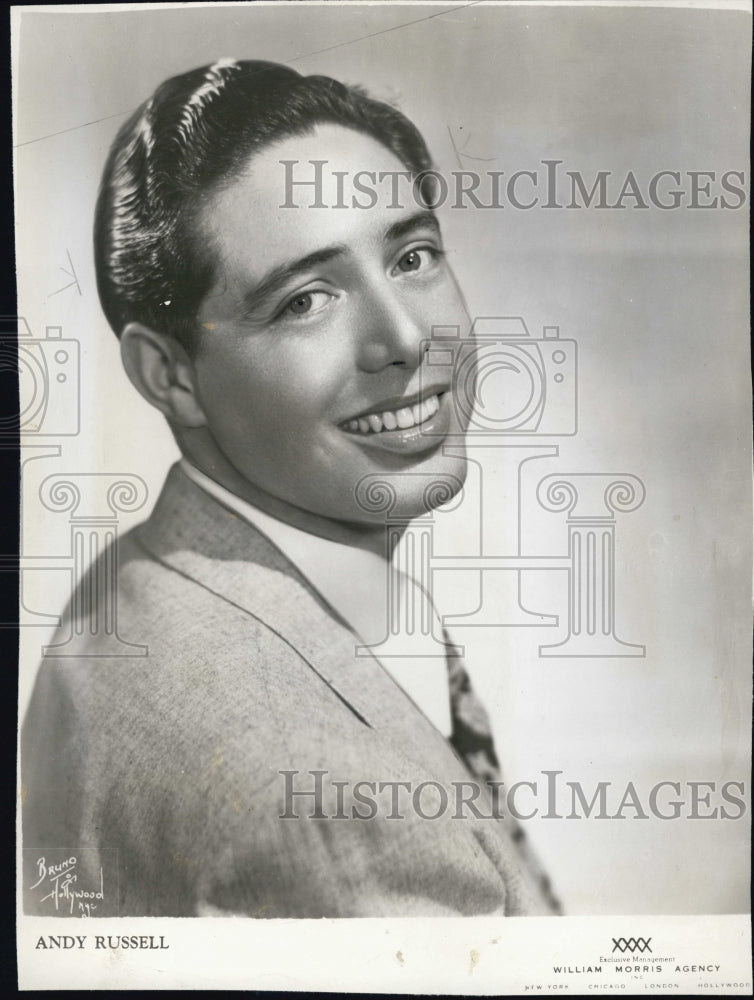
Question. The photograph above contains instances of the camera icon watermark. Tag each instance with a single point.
(49, 407)
(48, 380)
(505, 381)
(42, 403)
(512, 393)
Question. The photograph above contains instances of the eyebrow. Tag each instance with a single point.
(425, 219)
(278, 277)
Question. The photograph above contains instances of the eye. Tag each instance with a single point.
(305, 303)
(418, 259)
(410, 261)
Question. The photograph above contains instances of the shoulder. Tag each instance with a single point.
(170, 634)
(174, 650)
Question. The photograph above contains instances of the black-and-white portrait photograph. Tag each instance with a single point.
(385, 471)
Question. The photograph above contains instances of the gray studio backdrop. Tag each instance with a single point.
(656, 300)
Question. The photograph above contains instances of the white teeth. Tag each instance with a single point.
(405, 417)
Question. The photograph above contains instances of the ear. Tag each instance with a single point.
(163, 373)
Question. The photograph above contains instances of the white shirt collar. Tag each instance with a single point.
(353, 581)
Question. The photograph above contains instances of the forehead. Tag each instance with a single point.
(265, 216)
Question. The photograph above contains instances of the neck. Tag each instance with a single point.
(205, 456)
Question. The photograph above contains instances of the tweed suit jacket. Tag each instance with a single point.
(174, 759)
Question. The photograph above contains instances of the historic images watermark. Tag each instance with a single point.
(311, 184)
(316, 794)
(48, 416)
(515, 394)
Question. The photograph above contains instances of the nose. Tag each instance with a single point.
(392, 334)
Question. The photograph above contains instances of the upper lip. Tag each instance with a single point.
(399, 402)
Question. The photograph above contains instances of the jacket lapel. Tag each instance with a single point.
(192, 533)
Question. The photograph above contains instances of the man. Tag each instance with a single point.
(286, 349)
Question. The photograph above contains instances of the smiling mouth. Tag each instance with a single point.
(402, 418)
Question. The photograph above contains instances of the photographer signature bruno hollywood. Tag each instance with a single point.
(58, 885)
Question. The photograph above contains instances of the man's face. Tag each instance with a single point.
(311, 369)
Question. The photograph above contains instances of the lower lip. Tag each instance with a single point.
(411, 440)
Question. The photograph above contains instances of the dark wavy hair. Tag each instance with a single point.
(193, 135)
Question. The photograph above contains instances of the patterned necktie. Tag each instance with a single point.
(472, 741)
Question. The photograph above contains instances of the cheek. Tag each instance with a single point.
(445, 307)
(229, 394)
(274, 402)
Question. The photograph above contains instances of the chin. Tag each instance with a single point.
(446, 483)
(393, 496)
